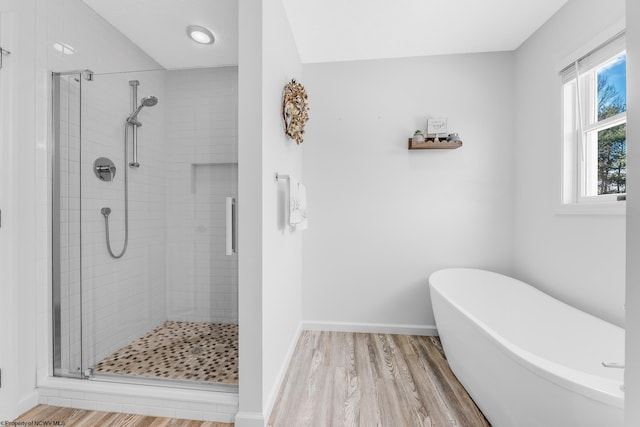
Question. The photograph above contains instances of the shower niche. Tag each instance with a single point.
(172, 148)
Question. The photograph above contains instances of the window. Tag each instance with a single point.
(595, 118)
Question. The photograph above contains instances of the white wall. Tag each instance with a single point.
(270, 256)
(282, 249)
(18, 172)
(632, 372)
(250, 214)
(580, 259)
(97, 44)
(383, 218)
(202, 150)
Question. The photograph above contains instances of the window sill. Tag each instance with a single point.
(594, 208)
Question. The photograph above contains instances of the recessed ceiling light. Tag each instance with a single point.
(200, 34)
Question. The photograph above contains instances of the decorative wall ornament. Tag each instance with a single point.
(295, 110)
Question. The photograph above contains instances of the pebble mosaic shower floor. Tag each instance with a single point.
(180, 351)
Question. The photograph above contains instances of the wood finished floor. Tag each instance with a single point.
(84, 418)
(354, 379)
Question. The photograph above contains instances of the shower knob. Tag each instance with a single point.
(105, 211)
(104, 169)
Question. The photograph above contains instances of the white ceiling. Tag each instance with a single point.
(331, 30)
(159, 28)
(343, 30)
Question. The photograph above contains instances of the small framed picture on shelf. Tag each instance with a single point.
(436, 126)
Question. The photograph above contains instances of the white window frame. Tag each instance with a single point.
(579, 153)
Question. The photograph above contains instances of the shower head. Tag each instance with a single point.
(147, 101)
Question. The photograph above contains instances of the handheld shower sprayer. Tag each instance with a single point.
(147, 101)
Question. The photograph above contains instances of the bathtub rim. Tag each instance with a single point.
(588, 385)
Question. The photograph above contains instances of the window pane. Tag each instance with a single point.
(612, 160)
(612, 87)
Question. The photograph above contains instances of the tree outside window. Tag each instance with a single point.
(612, 142)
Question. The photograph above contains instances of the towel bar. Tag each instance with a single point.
(3, 52)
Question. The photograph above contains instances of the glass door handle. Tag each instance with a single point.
(230, 226)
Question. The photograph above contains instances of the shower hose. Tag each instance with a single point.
(106, 211)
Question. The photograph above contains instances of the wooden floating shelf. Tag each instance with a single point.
(429, 144)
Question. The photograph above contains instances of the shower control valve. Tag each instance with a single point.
(104, 169)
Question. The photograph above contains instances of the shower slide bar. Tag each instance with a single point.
(135, 124)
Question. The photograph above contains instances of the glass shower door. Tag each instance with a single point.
(145, 269)
(124, 293)
(66, 216)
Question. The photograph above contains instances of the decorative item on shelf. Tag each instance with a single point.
(295, 110)
(453, 137)
(435, 127)
(418, 136)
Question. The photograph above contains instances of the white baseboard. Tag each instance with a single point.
(249, 419)
(273, 395)
(25, 404)
(372, 328)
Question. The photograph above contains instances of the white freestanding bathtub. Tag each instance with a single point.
(526, 358)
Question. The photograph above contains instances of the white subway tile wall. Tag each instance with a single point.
(202, 135)
(122, 298)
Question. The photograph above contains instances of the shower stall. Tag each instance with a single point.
(144, 192)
